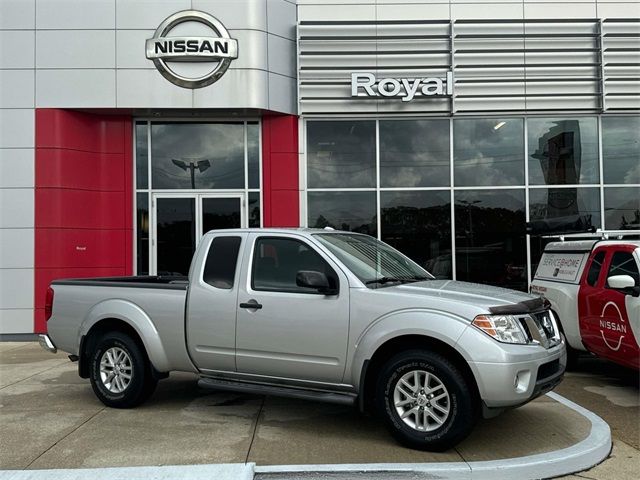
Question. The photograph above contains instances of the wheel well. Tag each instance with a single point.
(87, 343)
(399, 344)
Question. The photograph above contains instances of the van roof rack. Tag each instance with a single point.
(599, 234)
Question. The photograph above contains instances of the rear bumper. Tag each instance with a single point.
(47, 344)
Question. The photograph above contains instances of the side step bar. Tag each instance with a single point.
(278, 391)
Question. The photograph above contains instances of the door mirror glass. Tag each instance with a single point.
(315, 280)
(621, 282)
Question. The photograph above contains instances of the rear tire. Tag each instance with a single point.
(120, 372)
(425, 401)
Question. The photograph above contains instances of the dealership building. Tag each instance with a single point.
(130, 128)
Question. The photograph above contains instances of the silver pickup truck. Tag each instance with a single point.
(317, 314)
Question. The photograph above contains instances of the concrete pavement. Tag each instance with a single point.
(49, 418)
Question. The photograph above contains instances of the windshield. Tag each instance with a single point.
(375, 263)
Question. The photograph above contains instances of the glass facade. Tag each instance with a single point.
(457, 203)
(203, 176)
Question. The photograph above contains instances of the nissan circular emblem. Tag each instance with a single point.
(192, 61)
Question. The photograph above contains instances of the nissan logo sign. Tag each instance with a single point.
(192, 61)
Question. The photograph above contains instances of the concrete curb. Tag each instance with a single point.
(581, 456)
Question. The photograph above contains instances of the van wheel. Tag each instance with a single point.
(119, 371)
(425, 401)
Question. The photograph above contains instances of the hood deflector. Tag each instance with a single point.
(527, 306)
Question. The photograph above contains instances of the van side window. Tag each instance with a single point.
(277, 261)
(595, 268)
(220, 267)
(623, 263)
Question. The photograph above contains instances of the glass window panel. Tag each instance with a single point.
(624, 263)
(220, 213)
(490, 240)
(220, 267)
(419, 225)
(142, 156)
(562, 209)
(621, 149)
(622, 208)
(142, 233)
(341, 154)
(176, 234)
(595, 268)
(253, 154)
(197, 155)
(488, 152)
(414, 153)
(563, 151)
(351, 211)
(253, 206)
(277, 261)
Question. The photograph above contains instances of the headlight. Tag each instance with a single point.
(503, 328)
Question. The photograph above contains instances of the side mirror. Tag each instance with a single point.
(625, 283)
(315, 280)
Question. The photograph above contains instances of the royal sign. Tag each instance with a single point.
(365, 84)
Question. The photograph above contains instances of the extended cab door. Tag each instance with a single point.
(610, 318)
(212, 300)
(284, 330)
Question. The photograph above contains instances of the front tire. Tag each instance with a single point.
(120, 374)
(425, 401)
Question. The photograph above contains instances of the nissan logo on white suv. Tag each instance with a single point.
(191, 61)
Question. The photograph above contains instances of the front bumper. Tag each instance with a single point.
(47, 344)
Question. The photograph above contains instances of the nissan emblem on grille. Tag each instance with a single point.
(180, 59)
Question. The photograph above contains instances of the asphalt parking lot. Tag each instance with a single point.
(50, 418)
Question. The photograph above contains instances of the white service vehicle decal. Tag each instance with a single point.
(561, 266)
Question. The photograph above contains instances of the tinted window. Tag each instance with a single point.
(595, 268)
(341, 154)
(622, 208)
(565, 209)
(488, 152)
(197, 155)
(220, 267)
(277, 261)
(418, 224)
(563, 151)
(253, 155)
(142, 156)
(490, 241)
(623, 263)
(142, 224)
(352, 211)
(414, 153)
(621, 149)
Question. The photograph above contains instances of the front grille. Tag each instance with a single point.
(540, 327)
(548, 370)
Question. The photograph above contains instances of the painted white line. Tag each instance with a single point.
(584, 454)
(581, 456)
(221, 471)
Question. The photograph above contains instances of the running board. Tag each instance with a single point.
(263, 389)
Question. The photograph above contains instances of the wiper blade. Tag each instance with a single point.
(383, 280)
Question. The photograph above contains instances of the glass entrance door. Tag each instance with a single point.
(180, 220)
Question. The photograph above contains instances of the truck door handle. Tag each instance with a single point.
(251, 304)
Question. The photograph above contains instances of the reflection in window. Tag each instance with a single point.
(563, 151)
(341, 154)
(253, 206)
(622, 208)
(624, 263)
(197, 155)
(561, 210)
(351, 211)
(621, 149)
(142, 233)
(142, 156)
(414, 153)
(253, 154)
(419, 225)
(490, 240)
(488, 152)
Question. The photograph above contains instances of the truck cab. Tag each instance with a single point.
(594, 289)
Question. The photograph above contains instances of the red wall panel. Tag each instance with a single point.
(83, 198)
(281, 191)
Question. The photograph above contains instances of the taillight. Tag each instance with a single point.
(48, 304)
